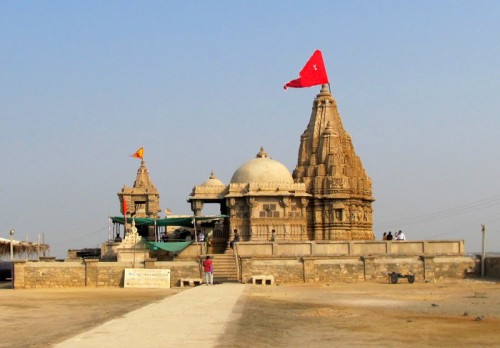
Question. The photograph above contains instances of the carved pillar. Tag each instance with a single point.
(330, 217)
(231, 206)
(197, 207)
(252, 204)
(285, 204)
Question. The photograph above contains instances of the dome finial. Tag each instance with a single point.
(262, 153)
(212, 175)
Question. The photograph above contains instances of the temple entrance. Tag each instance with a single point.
(215, 232)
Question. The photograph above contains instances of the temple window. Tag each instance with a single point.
(339, 214)
(269, 210)
(295, 212)
(140, 207)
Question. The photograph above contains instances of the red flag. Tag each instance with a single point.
(124, 206)
(139, 153)
(312, 74)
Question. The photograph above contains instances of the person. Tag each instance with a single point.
(273, 236)
(384, 236)
(209, 270)
(389, 236)
(400, 236)
(201, 236)
(236, 239)
(118, 238)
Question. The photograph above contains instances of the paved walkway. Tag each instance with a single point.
(191, 318)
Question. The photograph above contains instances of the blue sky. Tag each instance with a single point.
(84, 84)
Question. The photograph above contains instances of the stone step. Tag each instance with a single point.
(225, 268)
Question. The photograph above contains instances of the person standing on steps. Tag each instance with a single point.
(209, 271)
(235, 240)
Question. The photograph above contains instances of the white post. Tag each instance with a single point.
(12, 257)
(11, 245)
(483, 254)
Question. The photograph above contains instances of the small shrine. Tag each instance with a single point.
(141, 201)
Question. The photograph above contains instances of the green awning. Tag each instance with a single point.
(168, 246)
(173, 221)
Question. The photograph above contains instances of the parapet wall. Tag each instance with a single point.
(352, 248)
(297, 262)
(354, 269)
(332, 261)
(92, 273)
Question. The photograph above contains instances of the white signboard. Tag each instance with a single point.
(147, 278)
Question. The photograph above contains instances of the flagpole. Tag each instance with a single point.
(125, 226)
(124, 208)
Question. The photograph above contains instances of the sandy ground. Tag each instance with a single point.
(463, 313)
(459, 313)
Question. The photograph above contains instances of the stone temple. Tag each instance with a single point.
(328, 196)
(321, 214)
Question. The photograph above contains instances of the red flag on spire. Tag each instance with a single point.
(138, 154)
(312, 74)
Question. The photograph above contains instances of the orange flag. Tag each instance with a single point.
(124, 206)
(139, 153)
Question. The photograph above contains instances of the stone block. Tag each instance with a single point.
(263, 280)
(189, 282)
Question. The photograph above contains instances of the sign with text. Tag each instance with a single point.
(147, 278)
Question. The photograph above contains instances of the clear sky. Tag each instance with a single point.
(199, 84)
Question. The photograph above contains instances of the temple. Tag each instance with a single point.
(261, 198)
(340, 207)
(312, 226)
(328, 197)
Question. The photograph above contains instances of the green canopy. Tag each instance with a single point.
(173, 221)
(169, 246)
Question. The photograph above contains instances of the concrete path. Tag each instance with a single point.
(191, 318)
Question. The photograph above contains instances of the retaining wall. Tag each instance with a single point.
(92, 273)
(354, 269)
(287, 262)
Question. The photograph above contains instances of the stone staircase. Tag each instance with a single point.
(225, 268)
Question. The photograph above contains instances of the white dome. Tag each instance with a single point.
(213, 181)
(262, 170)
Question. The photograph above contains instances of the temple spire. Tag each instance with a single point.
(142, 179)
(334, 175)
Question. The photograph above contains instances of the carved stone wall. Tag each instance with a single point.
(255, 217)
(341, 204)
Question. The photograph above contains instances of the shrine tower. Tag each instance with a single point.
(340, 206)
(143, 199)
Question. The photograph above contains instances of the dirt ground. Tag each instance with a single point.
(463, 313)
(459, 313)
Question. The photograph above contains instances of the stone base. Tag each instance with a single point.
(263, 280)
(189, 282)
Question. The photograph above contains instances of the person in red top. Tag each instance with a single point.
(209, 271)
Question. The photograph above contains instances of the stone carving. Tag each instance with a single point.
(143, 199)
(328, 196)
(343, 179)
